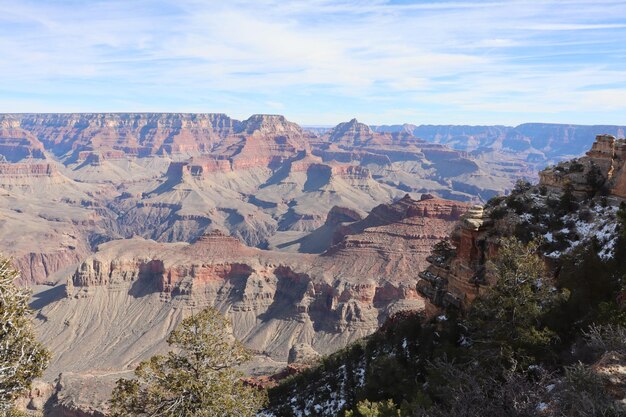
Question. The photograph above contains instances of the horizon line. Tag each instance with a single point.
(304, 125)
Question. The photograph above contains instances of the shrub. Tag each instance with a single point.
(199, 379)
(22, 358)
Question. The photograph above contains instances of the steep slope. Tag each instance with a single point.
(275, 300)
(48, 221)
(440, 363)
(171, 177)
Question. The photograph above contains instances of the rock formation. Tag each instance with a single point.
(403, 232)
(150, 217)
(135, 134)
(275, 299)
(11, 173)
(578, 227)
(602, 167)
(302, 353)
(457, 278)
(16, 143)
(171, 177)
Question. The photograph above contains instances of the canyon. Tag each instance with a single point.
(573, 220)
(274, 300)
(72, 181)
(118, 306)
(123, 224)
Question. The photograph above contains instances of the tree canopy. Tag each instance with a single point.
(508, 322)
(22, 358)
(198, 379)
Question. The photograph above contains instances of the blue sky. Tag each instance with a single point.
(320, 62)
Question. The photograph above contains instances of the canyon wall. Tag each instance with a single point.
(275, 300)
(597, 179)
(70, 182)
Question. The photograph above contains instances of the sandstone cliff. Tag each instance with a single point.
(574, 206)
(274, 299)
(576, 217)
(171, 177)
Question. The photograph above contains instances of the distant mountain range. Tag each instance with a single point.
(538, 143)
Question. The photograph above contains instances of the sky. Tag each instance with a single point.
(320, 62)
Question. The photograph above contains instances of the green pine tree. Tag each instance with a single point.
(198, 379)
(508, 323)
(22, 358)
(375, 409)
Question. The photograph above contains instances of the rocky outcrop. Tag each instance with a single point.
(352, 131)
(401, 233)
(272, 125)
(303, 354)
(39, 267)
(198, 167)
(338, 215)
(405, 212)
(71, 395)
(82, 395)
(270, 381)
(35, 399)
(27, 169)
(458, 277)
(96, 157)
(326, 172)
(275, 300)
(602, 168)
(355, 134)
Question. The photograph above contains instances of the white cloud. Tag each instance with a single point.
(374, 56)
(575, 27)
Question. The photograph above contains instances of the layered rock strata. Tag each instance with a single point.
(603, 166)
(457, 278)
(171, 177)
(275, 300)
